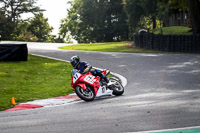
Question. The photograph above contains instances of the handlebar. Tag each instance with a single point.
(89, 68)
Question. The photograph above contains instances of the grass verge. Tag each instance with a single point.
(174, 30)
(109, 47)
(37, 78)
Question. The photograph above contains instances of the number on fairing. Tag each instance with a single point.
(76, 77)
(90, 79)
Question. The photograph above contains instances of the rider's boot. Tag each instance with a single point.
(106, 79)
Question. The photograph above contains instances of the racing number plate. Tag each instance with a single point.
(90, 79)
(76, 77)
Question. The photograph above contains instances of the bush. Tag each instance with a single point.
(27, 36)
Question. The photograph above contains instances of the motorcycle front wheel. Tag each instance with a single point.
(86, 95)
(117, 87)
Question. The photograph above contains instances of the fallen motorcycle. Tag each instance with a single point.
(87, 86)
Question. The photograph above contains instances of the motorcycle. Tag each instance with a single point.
(87, 87)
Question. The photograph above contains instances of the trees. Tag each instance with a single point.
(14, 8)
(6, 26)
(142, 14)
(23, 34)
(116, 27)
(13, 28)
(108, 20)
(93, 20)
(193, 6)
(134, 13)
(70, 24)
(150, 9)
(96, 21)
(194, 10)
(10, 16)
(40, 28)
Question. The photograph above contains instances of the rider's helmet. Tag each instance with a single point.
(75, 60)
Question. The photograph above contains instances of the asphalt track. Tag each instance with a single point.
(163, 92)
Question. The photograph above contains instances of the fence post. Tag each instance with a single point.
(193, 44)
(151, 41)
(164, 43)
(190, 43)
(167, 42)
(135, 39)
(198, 43)
(159, 39)
(187, 43)
(134, 42)
(155, 42)
(182, 43)
(178, 43)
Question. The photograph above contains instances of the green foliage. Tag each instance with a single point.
(36, 29)
(40, 28)
(95, 21)
(27, 36)
(142, 14)
(12, 27)
(194, 11)
(178, 6)
(149, 14)
(14, 8)
(6, 26)
(10, 16)
(55, 39)
(22, 34)
(110, 20)
(134, 12)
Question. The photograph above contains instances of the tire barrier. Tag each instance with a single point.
(168, 43)
(13, 52)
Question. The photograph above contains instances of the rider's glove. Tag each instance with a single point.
(86, 70)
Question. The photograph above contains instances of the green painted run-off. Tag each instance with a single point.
(195, 130)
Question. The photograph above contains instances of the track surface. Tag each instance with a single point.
(163, 92)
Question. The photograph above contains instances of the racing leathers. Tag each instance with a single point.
(83, 67)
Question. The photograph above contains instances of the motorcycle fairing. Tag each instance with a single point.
(102, 91)
(82, 86)
(88, 79)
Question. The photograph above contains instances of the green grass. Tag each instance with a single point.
(37, 78)
(109, 47)
(174, 30)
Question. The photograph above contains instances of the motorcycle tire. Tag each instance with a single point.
(86, 95)
(117, 87)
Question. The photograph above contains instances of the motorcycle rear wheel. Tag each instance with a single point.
(117, 87)
(86, 95)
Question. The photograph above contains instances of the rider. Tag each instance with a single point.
(83, 67)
